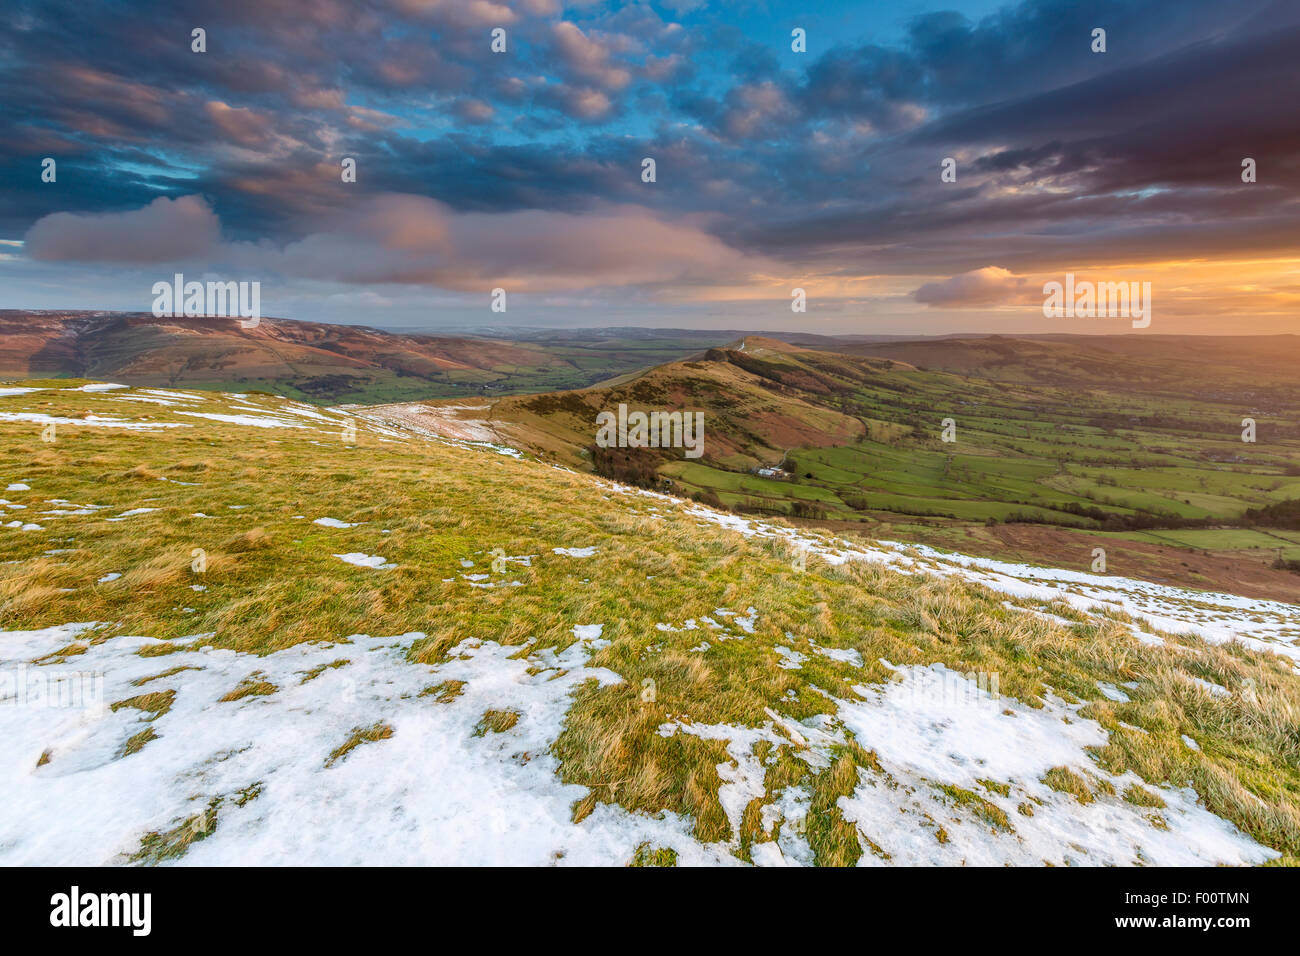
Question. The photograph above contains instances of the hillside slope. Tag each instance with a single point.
(326, 639)
(312, 361)
(1259, 367)
(752, 416)
(1157, 473)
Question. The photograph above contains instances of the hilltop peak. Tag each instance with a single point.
(754, 343)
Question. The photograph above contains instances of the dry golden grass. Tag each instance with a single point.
(136, 742)
(359, 736)
(496, 722)
(1067, 781)
(158, 847)
(154, 704)
(270, 579)
(251, 686)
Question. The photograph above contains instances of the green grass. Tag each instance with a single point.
(1022, 452)
(647, 855)
(271, 581)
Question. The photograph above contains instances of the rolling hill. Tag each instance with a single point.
(1259, 368)
(1049, 458)
(749, 422)
(315, 362)
(259, 630)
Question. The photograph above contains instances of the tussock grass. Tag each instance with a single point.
(835, 841)
(646, 855)
(992, 786)
(270, 580)
(990, 813)
(359, 736)
(136, 742)
(444, 692)
(1065, 780)
(141, 681)
(496, 722)
(251, 686)
(1142, 797)
(319, 669)
(154, 704)
(159, 847)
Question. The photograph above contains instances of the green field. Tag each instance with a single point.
(1164, 469)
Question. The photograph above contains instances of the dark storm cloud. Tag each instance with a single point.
(1103, 158)
(829, 160)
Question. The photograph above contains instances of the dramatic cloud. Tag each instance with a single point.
(241, 126)
(588, 59)
(392, 238)
(412, 239)
(770, 163)
(991, 285)
(166, 230)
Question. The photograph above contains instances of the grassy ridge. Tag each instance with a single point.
(315, 362)
(1136, 461)
(438, 512)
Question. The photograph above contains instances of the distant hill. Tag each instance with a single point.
(1134, 363)
(312, 361)
(1056, 448)
(752, 417)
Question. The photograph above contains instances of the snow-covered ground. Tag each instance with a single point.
(441, 790)
(936, 727)
(1213, 616)
(438, 788)
(433, 792)
(466, 426)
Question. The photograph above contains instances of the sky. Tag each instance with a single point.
(776, 169)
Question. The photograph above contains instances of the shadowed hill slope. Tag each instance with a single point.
(1035, 453)
(317, 362)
